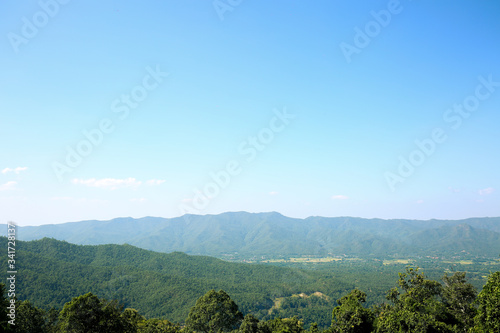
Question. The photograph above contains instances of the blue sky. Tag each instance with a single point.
(386, 109)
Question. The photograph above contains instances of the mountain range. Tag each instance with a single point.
(272, 234)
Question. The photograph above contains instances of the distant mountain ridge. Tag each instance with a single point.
(272, 234)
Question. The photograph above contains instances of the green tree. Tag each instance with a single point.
(250, 324)
(133, 317)
(287, 325)
(350, 315)
(459, 297)
(158, 326)
(214, 312)
(4, 303)
(51, 320)
(313, 328)
(30, 319)
(415, 306)
(488, 312)
(88, 313)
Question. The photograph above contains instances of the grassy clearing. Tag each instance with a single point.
(303, 260)
(461, 262)
(398, 261)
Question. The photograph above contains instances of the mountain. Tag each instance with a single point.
(273, 234)
(460, 238)
(52, 272)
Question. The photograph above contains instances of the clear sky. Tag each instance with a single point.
(377, 109)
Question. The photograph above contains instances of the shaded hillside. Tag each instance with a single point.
(273, 234)
(159, 284)
(460, 238)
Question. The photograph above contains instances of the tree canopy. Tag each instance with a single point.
(351, 316)
(88, 313)
(488, 312)
(214, 312)
(415, 304)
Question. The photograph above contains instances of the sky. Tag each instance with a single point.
(375, 109)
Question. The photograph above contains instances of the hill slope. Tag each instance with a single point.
(274, 234)
(51, 272)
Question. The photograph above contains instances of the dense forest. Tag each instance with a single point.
(415, 304)
(53, 271)
(148, 285)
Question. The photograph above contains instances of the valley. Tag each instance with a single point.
(272, 266)
(166, 285)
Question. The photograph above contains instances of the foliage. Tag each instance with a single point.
(166, 286)
(88, 313)
(415, 306)
(158, 326)
(351, 316)
(30, 319)
(459, 296)
(54, 271)
(214, 312)
(308, 308)
(313, 328)
(287, 325)
(250, 324)
(488, 314)
(4, 303)
(133, 317)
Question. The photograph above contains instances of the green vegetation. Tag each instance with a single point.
(166, 285)
(375, 275)
(488, 314)
(153, 291)
(88, 313)
(214, 312)
(241, 235)
(416, 304)
(350, 315)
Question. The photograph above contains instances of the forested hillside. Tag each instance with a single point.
(415, 304)
(272, 234)
(166, 285)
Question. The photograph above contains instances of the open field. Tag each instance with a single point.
(302, 260)
(461, 262)
(386, 269)
(399, 261)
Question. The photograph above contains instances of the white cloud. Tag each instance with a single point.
(108, 183)
(340, 197)
(8, 186)
(153, 182)
(273, 193)
(486, 191)
(15, 170)
(420, 201)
